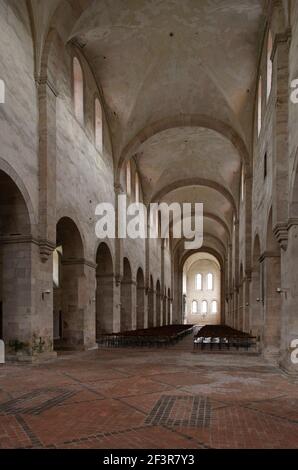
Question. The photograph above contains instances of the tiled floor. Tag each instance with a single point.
(165, 398)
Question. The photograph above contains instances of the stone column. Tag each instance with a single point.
(241, 306)
(151, 308)
(88, 304)
(246, 302)
(128, 305)
(236, 299)
(78, 307)
(140, 307)
(256, 303)
(177, 308)
(47, 96)
(272, 305)
(134, 305)
(280, 58)
(289, 297)
(27, 299)
(158, 310)
(116, 310)
(146, 308)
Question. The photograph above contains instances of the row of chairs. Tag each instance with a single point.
(205, 342)
(143, 339)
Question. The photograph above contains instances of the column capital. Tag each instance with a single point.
(269, 254)
(78, 261)
(280, 232)
(44, 81)
(46, 248)
(280, 38)
(292, 222)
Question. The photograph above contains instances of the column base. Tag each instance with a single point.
(92, 347)
(31, 358)
(272, 355)
(64, 346)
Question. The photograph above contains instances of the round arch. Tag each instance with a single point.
(207, 264)
(6, 168)
(70, 214)
(215, 218)
(104, 290)
(196, 182)
(183, 120)
(70, 282)
(17, 255)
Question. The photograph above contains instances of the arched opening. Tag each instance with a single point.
(126, 297)
(272, 298)
(242, 183)
(137, 188)
(98, 125)
(199, 281)
(256, 301)
(69, 296)
(140, 299)
(289, 293)
(202, 287)
(78, 90)
(104, 290)
(15, 264)
(214, 307)
(169, 308)
(128, 178)
(259, 108)
(151, 304)
(204, 307)
(294, 198)
(158, 304)
(210, 281)
(269, 63)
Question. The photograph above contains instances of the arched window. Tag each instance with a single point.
(158, 224)
(209, 281)
(204, 307)
(198, 281)
(269, 63)
(265, 165)
(194, 307)
(78, 90)
(242, 183)
(260, 106)
(128, 178)
(214, 306)
(137, 188)
(57, 266)
(98, 125)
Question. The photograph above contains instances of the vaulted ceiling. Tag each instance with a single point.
(178, 80)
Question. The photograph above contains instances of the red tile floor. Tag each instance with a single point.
(137, 398)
